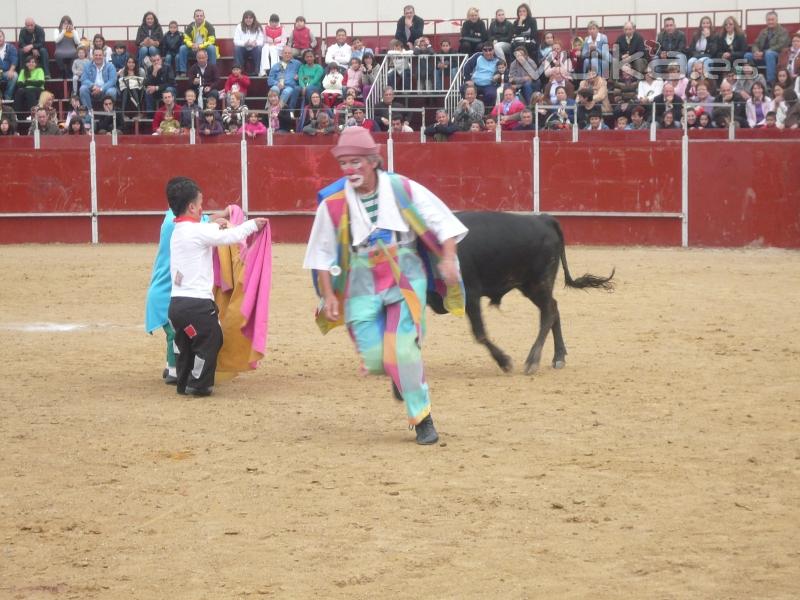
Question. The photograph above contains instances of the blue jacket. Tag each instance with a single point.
(289, 74)
(11, 58)
(109, 76)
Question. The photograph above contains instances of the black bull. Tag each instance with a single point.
(505, 251)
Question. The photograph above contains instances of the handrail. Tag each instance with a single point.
(376, 91)
(453, 95)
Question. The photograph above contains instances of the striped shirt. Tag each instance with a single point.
(370, 202)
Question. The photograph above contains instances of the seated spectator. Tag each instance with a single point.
(198, 35)
(595, 118)
(283, 78)
(746, 79)
(248, 42)
(668, 121)
(275, 41)
(501, 32)
(546, 47)
(85, 115)
(704, 45)
(31, 42)
(409, 28)
(131, 85)
(771, 121)
(704, 98)
(649, 87)
(309, 76)
(76, 127)
(171, 45)
(253, 127)
(490, 124)
(66, 46)
(211, 104)
(120, 56)
(321, 125)
(523, 74)
(638, 120)
(778, 104)
(340, 52)
(793, 60)
(157, 80)
(557, 80)
(359, 51)
(99, 79)
(626, 88)
(445, 66)
(585, 104)
(704, 121)
(399, 127)
(167, 120)
(210, 126)
(621, 123)
(74, 104)
(482, 75)
(757, 106)
(732, 42)
(525, 122)
(563, 116)
(233, 115)
(190, 111)
(344, 111)
(7, 128)
(668, 101)
(595, 52)
(99, 43)
(691, 118)
(360, 120)
(500, 77)
(399, 64)
(108, 120)
(575, 54)
(368, 73)
(728, 96)
(558, 59)
(671, 42)
(425, 64)
(148, 38)
(382, 109)
(8, 66)
(791, 111)
(313, 107)
(676, 78)
(278, 119)
(599, 89)
(442, 129)
(631, 48)
(332, 85)
(204, 77)
(525, 31)
(783, 78)
(506, 109)
(473, 33)
(301, 38)
(469, 110)
(47, 101)
(43, 124)
(237, 81)
(768, 46)
(353, 76)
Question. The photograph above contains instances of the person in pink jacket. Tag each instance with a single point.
(510, 105)
(253, 126)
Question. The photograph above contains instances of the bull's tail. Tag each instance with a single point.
(587, 280)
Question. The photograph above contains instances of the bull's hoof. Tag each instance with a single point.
(559, 364)
(531, 368)
(504, 362)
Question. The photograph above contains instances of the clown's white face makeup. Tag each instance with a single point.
(359, 173)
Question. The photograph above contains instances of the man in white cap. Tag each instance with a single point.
(376, 239)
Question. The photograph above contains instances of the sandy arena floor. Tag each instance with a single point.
(663, 462)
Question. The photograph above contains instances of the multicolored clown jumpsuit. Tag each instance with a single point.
(382, 251)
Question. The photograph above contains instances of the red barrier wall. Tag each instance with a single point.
(741, 192)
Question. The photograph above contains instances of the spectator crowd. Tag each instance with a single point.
(513, 76)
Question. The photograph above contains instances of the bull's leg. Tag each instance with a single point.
(560, 356)
(542, 297)
(473, 305)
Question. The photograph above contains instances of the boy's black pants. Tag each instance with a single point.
(198, 339)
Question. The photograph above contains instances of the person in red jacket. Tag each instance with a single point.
(237, 81)
(510, 105)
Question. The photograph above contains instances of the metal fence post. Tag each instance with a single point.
(245, 195)
(93, 186)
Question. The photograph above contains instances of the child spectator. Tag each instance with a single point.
(120, 56)
(78, 65)
(425, 63)
(596, 120)
(274, 40)
(354, 77)
(189, 111)
(253, 127)
(359, 51)
(301, 38)
(332, 85)
(771, 120)
(211, 125)
(237, 82)
(501, 77)
(233, 115)
(211, 104)
(399, 75)
(444, 66)
(171, 44)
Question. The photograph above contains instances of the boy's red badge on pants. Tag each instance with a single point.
(190, 331)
